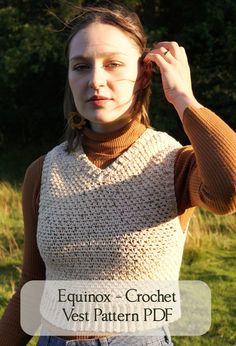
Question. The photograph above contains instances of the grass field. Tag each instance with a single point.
(210, 255)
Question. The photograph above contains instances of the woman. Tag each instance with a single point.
(116, 197)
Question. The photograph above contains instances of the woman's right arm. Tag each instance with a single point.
(33, 268)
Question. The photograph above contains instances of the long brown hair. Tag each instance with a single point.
(128, 22)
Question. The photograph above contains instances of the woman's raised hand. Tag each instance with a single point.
(175, 73)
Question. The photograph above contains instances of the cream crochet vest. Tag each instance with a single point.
(117, 223)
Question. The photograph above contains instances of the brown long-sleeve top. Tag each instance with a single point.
(205, 176)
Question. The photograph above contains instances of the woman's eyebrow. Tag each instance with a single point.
(105, 54)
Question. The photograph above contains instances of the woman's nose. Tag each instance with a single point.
(97, 78)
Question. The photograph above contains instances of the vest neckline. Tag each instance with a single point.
(118, 162)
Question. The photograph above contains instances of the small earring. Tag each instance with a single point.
(76, 121)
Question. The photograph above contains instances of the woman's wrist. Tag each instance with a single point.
(182, 102)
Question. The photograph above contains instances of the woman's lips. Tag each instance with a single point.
(98, 100)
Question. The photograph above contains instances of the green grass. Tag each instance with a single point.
(210, 255)
(214, 264)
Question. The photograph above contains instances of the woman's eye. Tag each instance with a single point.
(83, 67)
(113, 65)
(80, 67)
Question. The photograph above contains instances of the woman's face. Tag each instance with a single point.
(103, 73)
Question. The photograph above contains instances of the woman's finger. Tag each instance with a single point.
(161, 56)
(157, 58)
(184, 55)
(173, 47)
(167, 55)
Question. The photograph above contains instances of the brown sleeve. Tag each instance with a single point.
(33, 265)
(205, 172)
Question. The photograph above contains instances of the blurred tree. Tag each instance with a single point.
(30, 68)
(32, 71)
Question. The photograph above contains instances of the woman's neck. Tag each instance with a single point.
(104, 148)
